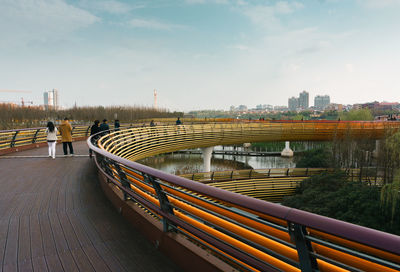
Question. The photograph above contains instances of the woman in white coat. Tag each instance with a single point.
(51, 132)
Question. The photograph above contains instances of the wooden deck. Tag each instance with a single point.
(54, 217)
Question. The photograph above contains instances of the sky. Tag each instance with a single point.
(199, 54)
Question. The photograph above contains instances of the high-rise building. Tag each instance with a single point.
(293, 103)
(51, 100)
(321, 101)
(46, 100)
(303, 100)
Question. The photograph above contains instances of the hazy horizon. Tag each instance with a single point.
(200, 54)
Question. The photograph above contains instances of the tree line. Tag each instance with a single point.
(12, 117)
(370, 199)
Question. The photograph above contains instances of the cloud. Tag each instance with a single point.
(154, 24)
(192, 2)
(241, 3)
(267, 16)
(241, 47)
(22, 21)
(195, 1)
(109, 6)
(379, 3)
(284, 7)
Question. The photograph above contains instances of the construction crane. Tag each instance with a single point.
(19, 91)
(25, 102)
(14, 91)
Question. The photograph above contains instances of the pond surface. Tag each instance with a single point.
(192, 163)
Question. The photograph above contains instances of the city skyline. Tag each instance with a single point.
(200, 54)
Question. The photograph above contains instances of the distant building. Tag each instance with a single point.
(321, 102)
(378, 106)
(259, 107)
(264, 107)
(242, 108)
(51, 100)
(388, 106)
(268, 107)
(304, 100)
(370, 105)
(293, 103)
(334, 107)
(280, 108)
(301, 102)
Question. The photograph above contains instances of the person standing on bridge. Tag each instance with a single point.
(94, 129)
(116, 125)
(51, 132)
(104, 126)
(66, 136)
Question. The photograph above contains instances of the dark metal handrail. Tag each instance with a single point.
(300, 220)
(382, 240)
(16, 137)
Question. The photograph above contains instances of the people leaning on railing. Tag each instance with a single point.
(104, 127)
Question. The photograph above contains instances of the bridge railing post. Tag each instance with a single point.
(34, 139)
(165, 205)
(87, 131)
(103, 162)
(123, 179)
(297, 233)
(12, 143)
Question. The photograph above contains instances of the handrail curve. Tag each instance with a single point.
(358, 247)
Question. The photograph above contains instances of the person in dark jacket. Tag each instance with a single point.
(104, 126)
(93, 130)
(116, 125)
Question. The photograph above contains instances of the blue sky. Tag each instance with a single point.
(200, 54)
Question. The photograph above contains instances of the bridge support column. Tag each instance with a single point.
(287, 152)
(377, 150)
(207, 152)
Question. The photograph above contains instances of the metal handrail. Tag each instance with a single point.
(27, 136)
(300, 225)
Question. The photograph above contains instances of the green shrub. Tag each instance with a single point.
(330, 194)
(315, 158)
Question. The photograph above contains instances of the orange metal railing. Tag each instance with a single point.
(255, 234)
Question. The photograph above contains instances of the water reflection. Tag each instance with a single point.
(191, 163)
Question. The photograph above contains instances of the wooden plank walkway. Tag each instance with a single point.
(54, 217)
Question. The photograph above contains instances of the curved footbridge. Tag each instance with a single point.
(245, 233)
(202, 228)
